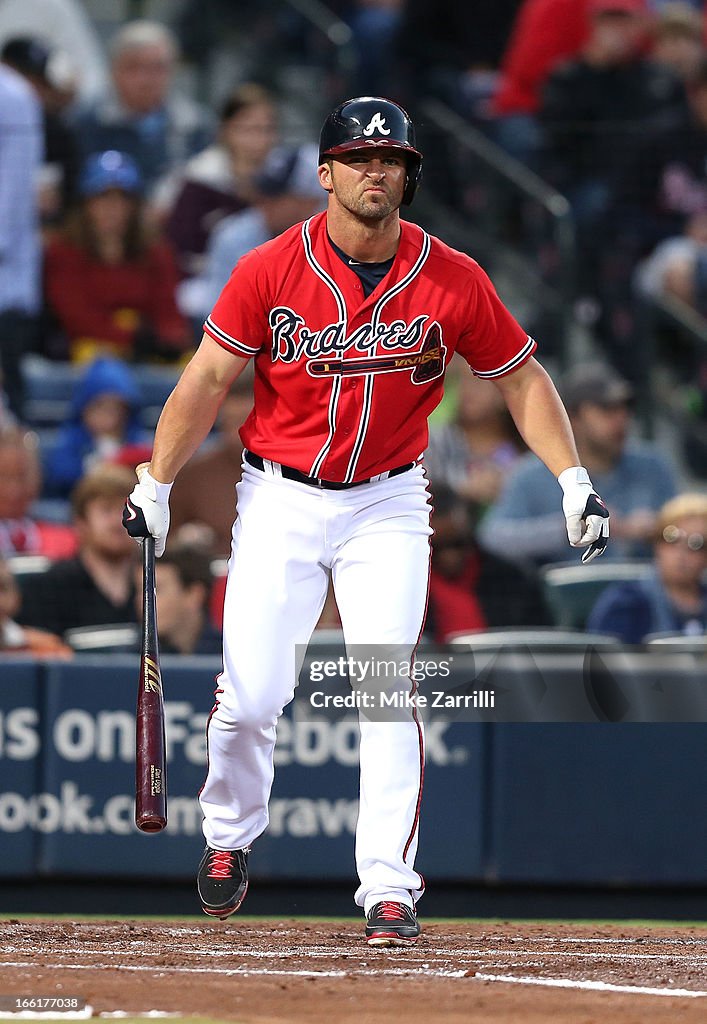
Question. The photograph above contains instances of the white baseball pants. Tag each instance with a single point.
(287, 539)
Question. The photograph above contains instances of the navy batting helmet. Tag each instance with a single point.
(372, 121)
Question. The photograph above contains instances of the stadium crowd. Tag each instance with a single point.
(126, 199)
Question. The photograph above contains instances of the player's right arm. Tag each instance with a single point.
(186, 419)
(190, 411)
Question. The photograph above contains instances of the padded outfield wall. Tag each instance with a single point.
(584, 802)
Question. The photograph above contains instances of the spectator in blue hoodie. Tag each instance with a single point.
(103, 426)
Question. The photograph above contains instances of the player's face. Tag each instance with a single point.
(367, 182)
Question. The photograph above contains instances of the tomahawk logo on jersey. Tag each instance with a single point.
(336, 404)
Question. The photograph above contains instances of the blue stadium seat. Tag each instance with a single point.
(52, 510)
(156, 384)
(571, 589)
(49, 387)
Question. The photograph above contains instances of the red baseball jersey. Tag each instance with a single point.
(344, 384)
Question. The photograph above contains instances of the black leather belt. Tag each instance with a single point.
(328, 485)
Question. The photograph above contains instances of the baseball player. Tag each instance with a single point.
(351, 318)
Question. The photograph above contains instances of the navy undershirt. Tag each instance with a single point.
(369, 274)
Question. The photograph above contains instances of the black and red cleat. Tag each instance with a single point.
(222, 881)
(391, 924)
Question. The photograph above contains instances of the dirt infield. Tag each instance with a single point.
(267, 971)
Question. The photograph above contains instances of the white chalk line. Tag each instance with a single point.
(139, 1013)
(422, 969)
(594, 986)
(320, 953)
(647, 939)
(245, 971)
(84, 1014)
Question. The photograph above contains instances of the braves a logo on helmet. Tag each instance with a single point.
(376, 124)
(325, 350)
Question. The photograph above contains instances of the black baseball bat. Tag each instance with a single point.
(150, 748)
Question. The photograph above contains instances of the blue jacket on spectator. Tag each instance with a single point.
(527, 521)
(634, 609)
(158, 141)
(76, 447)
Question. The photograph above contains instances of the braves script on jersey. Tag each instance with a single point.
(344, 384)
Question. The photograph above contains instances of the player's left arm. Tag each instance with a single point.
(542, 421)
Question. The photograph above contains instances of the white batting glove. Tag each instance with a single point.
(586, 514)
(146, 512)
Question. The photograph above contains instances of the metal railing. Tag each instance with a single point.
(329, 24)
(336, 32)
(508, 182)
(686, 319)
(658, 316)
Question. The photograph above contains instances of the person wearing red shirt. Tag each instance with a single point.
(21, 533)
(472, 589)
(110, 285)
(350, 318)
(544, 33)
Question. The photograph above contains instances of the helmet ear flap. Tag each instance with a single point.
(412, 181)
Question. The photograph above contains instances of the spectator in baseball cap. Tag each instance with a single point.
(111, 169)
(106, 251)
(635, 478)
(596, 384)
